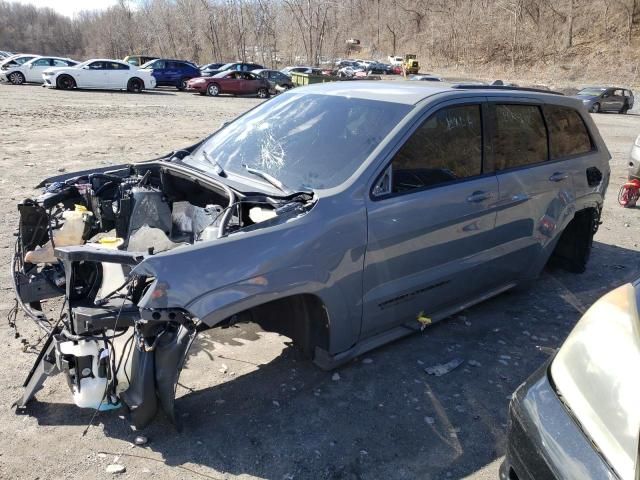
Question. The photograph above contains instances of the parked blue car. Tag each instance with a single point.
(172, 73)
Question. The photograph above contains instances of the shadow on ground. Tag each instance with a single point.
(385, 418)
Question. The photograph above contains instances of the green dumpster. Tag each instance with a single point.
(301, 79)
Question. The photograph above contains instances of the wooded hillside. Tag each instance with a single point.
(564, 38)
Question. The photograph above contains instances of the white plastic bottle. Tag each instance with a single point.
(69, 234)
(92, 388)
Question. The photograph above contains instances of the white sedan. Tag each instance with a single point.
(100, 73)
(31, 71)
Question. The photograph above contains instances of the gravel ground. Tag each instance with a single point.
(248, 406)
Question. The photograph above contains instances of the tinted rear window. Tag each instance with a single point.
(519, 137)
(446, 147)
(567, 131)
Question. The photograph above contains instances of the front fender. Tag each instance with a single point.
(320, 253)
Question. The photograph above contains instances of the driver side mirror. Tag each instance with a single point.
(86, 67)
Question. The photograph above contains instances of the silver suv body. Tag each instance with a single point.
(342, 215)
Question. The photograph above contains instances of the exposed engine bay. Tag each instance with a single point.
(80, 241)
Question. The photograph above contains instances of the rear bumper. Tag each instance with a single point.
(544, 441)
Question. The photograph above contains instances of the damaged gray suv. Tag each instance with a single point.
(337, 215)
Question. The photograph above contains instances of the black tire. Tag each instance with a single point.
(595, 108)
(65, 82)
(135, 85)
(182, 84)
(213, 90)
(263, 92)
(16, 78)
(624, 109)
(574, 247)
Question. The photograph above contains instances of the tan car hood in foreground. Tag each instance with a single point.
(597, 374)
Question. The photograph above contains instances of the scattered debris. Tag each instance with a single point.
(367, 361)
(364, 452)
(335, 377)
(276, 403)
(505, 357)
(503, 362)
(115, 468)
(429, 420)
(474, 363)
(140, 440)
(223, 368)
(444, 368)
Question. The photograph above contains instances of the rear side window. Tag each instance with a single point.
(567, 131)
(446, 147)
(519, 136)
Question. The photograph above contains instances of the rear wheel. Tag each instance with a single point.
(574, 247)
(263, 93)
(16, 78)
(595, 108)
(213, 90)
(624, 109)
(65, 82)
(135, 85)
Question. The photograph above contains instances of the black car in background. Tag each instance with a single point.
(237, 66)
(275, 78)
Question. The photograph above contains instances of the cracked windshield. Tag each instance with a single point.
(305, 141)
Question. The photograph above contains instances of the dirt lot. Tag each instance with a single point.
(272, 415)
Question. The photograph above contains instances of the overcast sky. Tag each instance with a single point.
(69, 7)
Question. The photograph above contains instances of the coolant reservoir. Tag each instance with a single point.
(69, 234)
(92, 387)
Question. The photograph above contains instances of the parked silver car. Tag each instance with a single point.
(339, 217)
(606, 99)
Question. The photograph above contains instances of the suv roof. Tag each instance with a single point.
(411, 93)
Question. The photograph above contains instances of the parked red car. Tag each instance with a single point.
(235, 83)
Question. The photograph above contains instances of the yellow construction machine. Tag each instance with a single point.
(410, 64)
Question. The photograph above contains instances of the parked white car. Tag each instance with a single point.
(31, 71)
(14, 60)
(100, 73)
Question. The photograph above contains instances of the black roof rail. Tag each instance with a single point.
(464, 86)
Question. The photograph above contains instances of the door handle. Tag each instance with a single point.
(558, 177)
(478, 196)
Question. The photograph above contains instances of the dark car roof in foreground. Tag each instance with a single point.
(410, 93)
